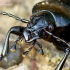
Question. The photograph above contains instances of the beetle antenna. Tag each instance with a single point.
(13, 16)
(57, 37)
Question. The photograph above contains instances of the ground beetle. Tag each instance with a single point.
(50, 21)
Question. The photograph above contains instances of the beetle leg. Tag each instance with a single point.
(41, 50)
(26, 52)
(60, 66)
(15, 30)
(13, 48)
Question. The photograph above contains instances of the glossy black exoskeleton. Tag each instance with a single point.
(50, 21)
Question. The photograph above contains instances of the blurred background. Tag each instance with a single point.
(33, 61)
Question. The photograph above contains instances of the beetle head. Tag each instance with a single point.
(35, 29)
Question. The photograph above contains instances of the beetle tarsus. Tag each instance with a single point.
(13, 49)
(26, 52)
(40, 46)
(60, 65)
(1, 58)
(41, 51)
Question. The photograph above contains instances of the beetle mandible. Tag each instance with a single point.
(50, 21)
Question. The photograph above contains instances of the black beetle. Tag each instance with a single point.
(50, 21)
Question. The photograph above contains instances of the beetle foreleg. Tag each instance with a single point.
(60, 66)
(15, 30)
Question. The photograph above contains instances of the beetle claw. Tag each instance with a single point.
(1, 57)
(13, 49)
(25, 53)
(41, 51)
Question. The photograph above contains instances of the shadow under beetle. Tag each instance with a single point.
(50, 21)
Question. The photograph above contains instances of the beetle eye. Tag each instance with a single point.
(51, 27)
